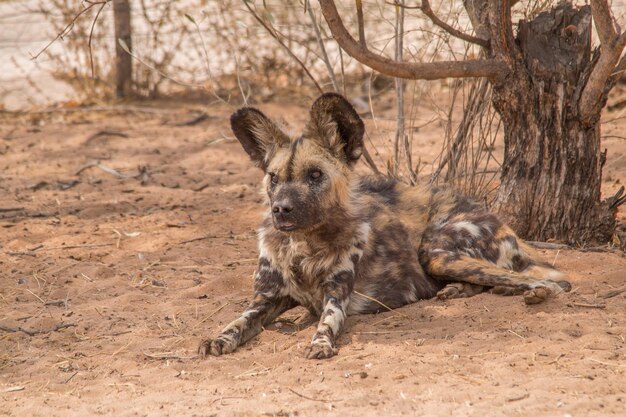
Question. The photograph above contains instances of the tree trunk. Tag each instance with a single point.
(123, 60)
(552, 167)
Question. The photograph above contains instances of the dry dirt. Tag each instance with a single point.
(142, 267)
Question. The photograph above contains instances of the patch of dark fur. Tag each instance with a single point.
(233, 332)
(465, 205)
(292, 148)
(381, 186)
(328, 332)
(340, 285)
(520, 263)
(268, 280)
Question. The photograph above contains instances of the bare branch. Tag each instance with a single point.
(93, 26)
(34, 332)
(452, 31)
(478, 15)
(501, 28)
(491, 19)
(428, 11)
(620, 69)
(489, 68)
(68, 28)
(609, 63)
(320, 42)
(281, 43)
(399, 47)
(359, 18)
(604, 21)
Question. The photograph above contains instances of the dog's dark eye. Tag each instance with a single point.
(273, 178)
(315, 174)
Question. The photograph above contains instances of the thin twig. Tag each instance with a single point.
(213, 313)
(105, 132)
(216, 86)
(32, 332)
(68, 28)
(70, 378)
(8, 209)
(359, 17)
(93, 25)
(489, 67)
(38, 297)
(382, 304)
(121, 349)
(320, 42)
(518, 398)
(516, 334)
(14, 389)
(196, 120)
(58, 303)
(613, 293)
(281, 43)
(244, 96)
(586, 305)
(98, 245)
(389, 331)
(399, 83)
(168, 356)
(154, 68)
(547, 245)
(311, 398)
(116, 108)
(29, 253)
(104, 168)
(428, 11)
(607, 363)
(196, 239)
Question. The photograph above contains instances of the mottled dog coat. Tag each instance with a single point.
(339, 244)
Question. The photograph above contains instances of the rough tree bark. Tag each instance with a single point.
(552, 168)
(123, 61)
(549, 90)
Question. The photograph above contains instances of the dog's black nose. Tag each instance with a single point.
(282, 207)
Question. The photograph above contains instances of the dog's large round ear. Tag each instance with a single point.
(258, 135)
(338, 126)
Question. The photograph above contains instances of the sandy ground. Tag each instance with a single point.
(112, 273)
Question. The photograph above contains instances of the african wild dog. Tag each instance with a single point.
(339, 244)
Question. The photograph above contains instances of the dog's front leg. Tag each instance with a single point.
(337, 291)
(267, 305)
(261, 312)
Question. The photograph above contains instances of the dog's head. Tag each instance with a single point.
(307, 177)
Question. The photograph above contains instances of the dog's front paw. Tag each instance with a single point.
(320, 350)
(216, 347)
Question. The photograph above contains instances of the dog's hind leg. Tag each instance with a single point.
(459, 290)
(452, 266)
(463, 243)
